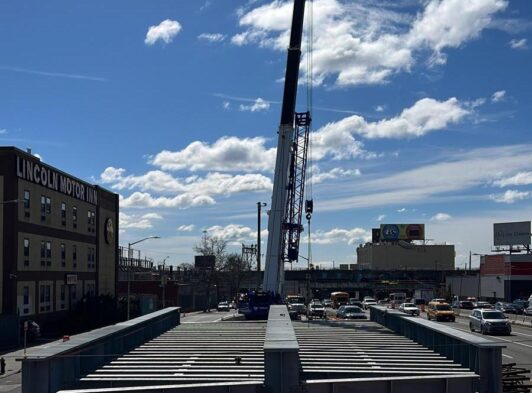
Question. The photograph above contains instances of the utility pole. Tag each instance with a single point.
(128, 268)
(259, 206)
(163, 281)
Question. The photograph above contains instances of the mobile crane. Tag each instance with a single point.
(284, 220)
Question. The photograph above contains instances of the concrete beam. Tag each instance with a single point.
(49, 369)
(281, 352)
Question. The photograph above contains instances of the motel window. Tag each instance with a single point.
(63, 296)
(63, 213)
(48, 253)
(26, 295)
(74, 255)
(26, 199)
(43, 252)
(75, 217)
(26, 247)
(43, 207)
(63, 254)
(44, 298)
(48, 205)
(90, 289)
(26, 252)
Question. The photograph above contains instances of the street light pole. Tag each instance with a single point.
(259, 206)
(129, 270)
(163, 281)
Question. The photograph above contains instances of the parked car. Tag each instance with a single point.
(33, 330)
(368, 301)
(507, 308)
(409, 308)
(489, 321)
(316, 310)
(440, 312)
(484, 305)
(327, 303)
(223, 306)
(350, 312)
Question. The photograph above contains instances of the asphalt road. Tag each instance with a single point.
(518, 344)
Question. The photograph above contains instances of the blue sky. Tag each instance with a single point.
(421, 113)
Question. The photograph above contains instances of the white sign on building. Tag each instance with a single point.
(511, 233)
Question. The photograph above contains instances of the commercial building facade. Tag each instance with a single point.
(58, 238)
(405, 256)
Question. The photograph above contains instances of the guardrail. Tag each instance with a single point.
(482, 356)
(281, 352)
(49, 369)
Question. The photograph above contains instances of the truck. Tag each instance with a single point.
(422, 296)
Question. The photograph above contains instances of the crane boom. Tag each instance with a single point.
(281, 224)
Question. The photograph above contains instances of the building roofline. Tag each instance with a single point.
(28, 155)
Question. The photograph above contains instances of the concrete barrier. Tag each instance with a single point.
(49, 369)
(281, 352)
(480, 355)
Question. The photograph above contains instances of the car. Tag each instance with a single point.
(528, 310)
(316, 310)
(409, 308)
(223, 306)
(297, 307)
(484, 305)
(368, 301)
(507, 308)
(489, 321)
(440, 312)
(350, 312)
(327, 303)
(438, 300)
(466, 305)
(520, 304)
(33, 330)
(353, 301)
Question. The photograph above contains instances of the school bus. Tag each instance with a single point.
(339, 299)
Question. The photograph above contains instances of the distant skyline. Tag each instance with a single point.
(421, 114)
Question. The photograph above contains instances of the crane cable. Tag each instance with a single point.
(309, 174)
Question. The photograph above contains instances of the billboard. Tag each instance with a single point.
(394, 232)
(511, 233)
(204, 261)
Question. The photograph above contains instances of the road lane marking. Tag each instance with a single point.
(507, 356)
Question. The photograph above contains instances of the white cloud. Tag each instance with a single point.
(235, 233)
(367, 43)
(498, 96)
(259, 105)
(519, 44)
(144, 221)
(379, 108)
(212, 37)
(226, 154)
(381, 217)
(3, 131)
(441, 217)
(339, 235)
(401, 210)
(191, 191)
(426, 115)
(511, 196)
(186, 228)
(457, 173)
(335, 173)
(164, 31)
(226, 105)
(519, 179)
(182, 201)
